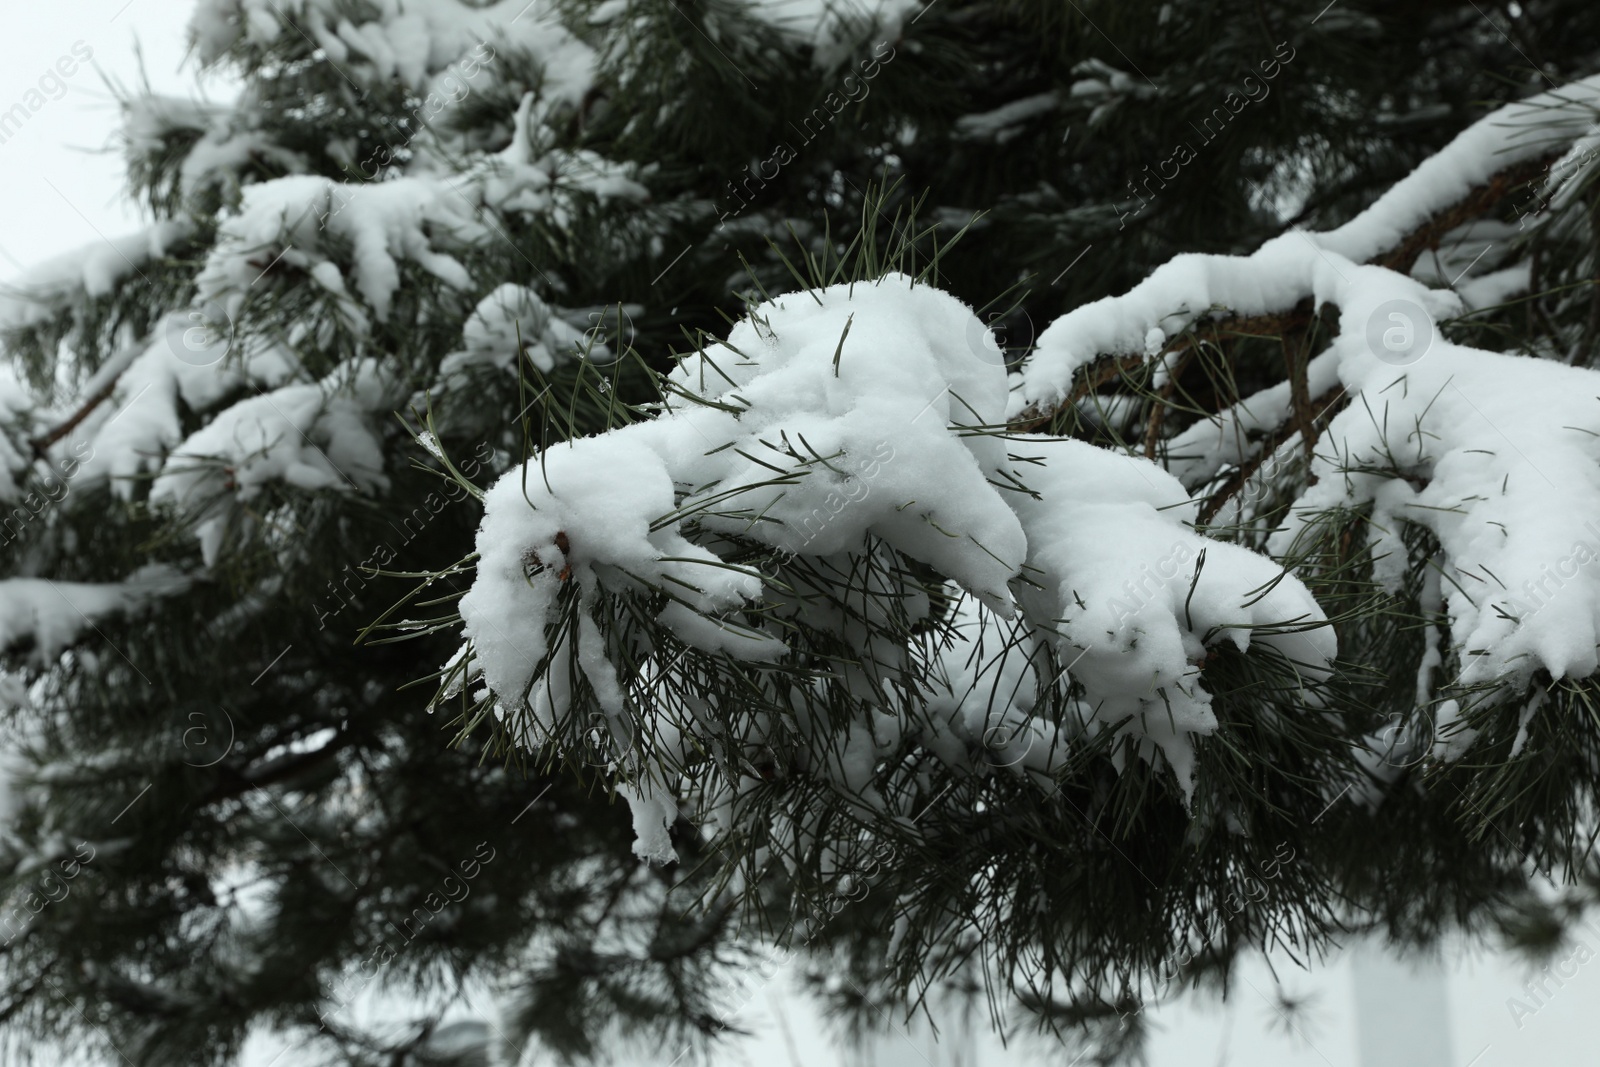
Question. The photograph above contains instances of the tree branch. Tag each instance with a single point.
(1479, 200)
(42, 443)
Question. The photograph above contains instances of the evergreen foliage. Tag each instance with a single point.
(246, 453)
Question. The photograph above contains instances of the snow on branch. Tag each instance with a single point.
(308, 435)
(50, 615)
(1494, 454)
(363, 231)
(95, 270)
(344, 248)
(1498, 456)
(418, 42)
(828, 492)
(1284, 271)
(290, 220)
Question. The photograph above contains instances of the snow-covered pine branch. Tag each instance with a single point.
(831, 491)
(1492, 453)
(828, 580)
(972, 668)
(198, 454)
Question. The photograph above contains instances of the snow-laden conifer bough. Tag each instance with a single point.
(840, 584)
(837, 489)
(351, 239)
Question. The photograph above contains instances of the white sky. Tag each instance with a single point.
(60, 188)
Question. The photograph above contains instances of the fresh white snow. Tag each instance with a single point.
(836, 415)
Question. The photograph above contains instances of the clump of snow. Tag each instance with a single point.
(148, 119)
(1497, 455)
(94, 270)
(289, 220)
(51, 615)
(1134, 595)
(654, 812)
(512, 319)
(1495, 288)
(829, 422)
(1102, 88)
(307, 222)
(528, 176)
(311, 436)
(185, 361)
(221, 150)
(1004, 122)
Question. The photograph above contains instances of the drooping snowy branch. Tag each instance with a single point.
(50, 615)
(340, 249)
(418, 42)
(1284, 271)
(842, 436)
(92, 271)
(1493, 454)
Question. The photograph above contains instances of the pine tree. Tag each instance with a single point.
(1244, 605)
(224, 812)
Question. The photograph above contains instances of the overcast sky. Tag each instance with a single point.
(60, 178)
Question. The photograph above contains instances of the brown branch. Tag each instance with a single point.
(1297, 357)
(1158, 410)
(42, 444)
(1101, 372)
(1315, 411)
(1479, 200)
